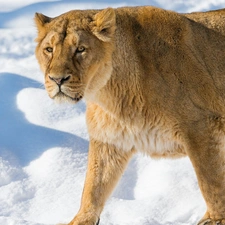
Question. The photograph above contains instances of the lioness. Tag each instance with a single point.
(153, 81)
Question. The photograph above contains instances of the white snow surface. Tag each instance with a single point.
(44, 146)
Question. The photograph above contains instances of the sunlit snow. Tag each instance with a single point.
(44, 146)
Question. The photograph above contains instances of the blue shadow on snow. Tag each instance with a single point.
(27, 141)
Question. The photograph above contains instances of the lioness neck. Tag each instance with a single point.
(152, 48)
(124, 95)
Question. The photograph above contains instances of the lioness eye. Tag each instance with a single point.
(80, 49)
(49, 49)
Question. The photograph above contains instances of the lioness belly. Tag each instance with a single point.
(158, 143)
(153, 140)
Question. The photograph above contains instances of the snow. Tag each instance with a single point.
(43, 145)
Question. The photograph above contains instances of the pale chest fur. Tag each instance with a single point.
(153, 138)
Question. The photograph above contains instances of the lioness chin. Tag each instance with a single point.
(153, 81)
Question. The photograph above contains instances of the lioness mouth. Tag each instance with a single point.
(61, 94)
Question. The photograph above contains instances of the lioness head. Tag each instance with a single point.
(74, 51)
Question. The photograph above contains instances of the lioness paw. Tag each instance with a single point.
(212, 222)
(81, 223)
(84, 223)
(85, 220)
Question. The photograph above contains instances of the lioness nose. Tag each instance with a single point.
(59, 81)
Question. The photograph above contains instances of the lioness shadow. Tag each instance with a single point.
(24, 140)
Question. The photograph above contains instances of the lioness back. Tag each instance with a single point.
(212, 19)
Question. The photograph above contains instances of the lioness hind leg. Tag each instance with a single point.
(207, 153)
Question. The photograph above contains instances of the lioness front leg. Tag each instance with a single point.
(207, 153)
(105, 166)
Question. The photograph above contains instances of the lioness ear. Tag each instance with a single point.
(41, 20)
(104, 24)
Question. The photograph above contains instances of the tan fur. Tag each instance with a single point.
(153, 81)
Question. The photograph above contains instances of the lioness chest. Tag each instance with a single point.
(153, 138)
